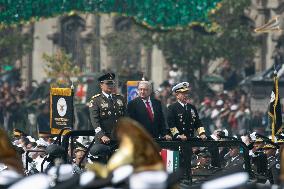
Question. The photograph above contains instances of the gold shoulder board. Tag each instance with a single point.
(96, 96)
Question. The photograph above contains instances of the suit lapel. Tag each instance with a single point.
(141, 104)
(154, 106)
(181, 107)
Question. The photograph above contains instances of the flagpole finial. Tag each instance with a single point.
(72, 85)
(275, 72)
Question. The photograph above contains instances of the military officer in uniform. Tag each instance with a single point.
(203, 168)
(105, 109)
(273, 165)
(234, 158)
(258, 158)
(182, 117)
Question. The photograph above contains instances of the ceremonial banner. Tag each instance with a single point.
(61, 109)
(170, 159)
(132, 90)
(275, 109)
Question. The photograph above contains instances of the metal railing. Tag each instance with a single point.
(184, 147)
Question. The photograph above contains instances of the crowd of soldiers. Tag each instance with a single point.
(132, 144)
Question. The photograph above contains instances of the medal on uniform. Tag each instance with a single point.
(193, 113)
(109, 112)
(103, 113)
(104, 105)
(119, 102)
(90, 104)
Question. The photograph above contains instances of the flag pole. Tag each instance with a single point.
(275, 104)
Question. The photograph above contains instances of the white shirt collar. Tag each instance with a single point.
(106, 95)
(181, 103)
(145, 100)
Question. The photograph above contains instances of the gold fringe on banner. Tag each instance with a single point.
(61, 91)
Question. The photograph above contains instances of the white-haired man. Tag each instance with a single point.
(148, 111)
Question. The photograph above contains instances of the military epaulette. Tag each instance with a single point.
(117, 94)
(96, 96)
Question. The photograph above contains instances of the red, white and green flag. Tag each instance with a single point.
(171, 159)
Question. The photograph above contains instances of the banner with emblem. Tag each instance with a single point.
(61, 109)
(132, 90)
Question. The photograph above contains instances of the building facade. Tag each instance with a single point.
(81, 35)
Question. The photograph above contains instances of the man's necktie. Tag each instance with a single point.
(185, 107)
(149, 111)
(110, 99)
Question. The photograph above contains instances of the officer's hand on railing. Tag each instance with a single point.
(182, 137)
(167, 137)
(105, 139)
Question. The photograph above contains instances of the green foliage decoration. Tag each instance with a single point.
(162, 14)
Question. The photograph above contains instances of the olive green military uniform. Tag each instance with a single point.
(105, 112)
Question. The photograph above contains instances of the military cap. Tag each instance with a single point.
(31, 139)
(181, 87)
(269, 146)
(44, 134)
(41, 142)
(19, 149)
(55, 150)
(204, 154)
(18, 133)
(259, 140)
(107, 76)
(78, 149)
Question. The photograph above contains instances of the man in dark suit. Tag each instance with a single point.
(105, 109)
(183, 118)
(148, 112)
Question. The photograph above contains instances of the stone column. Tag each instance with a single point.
(106, 27)
(42, 45)
(145, 60)
(158, 68)
(87, 36)
(262, 52)
(26, 66)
